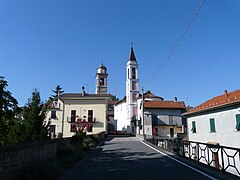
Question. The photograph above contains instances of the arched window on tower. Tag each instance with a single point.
(128, 73)
(101, 82)
(133, 73)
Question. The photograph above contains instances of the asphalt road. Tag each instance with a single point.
(119, 158)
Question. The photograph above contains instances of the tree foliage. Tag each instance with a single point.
(58, 91)
(8, 108)
(34, 114)
(18, 125)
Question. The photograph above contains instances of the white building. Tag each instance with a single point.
(73, 111)
(216, 120)
(128, 112)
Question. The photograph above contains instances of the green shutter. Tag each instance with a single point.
(238, 121)
(212, 125)
(193, 127)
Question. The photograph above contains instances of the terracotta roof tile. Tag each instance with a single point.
(164, 104)
(226, 99)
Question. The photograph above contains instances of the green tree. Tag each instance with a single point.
(8, 108)
(58, 91)
(34, 114)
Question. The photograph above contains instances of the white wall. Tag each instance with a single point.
(225, 123)
(120, 115)
(58, 121)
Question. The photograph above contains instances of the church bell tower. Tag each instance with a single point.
(132, 87)
(101, 80)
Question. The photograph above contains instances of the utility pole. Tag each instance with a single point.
(144, 137)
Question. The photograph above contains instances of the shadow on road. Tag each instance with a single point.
(127, 158)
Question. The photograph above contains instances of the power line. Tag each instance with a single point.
(190, 21)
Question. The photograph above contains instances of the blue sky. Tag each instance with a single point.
(48, 42)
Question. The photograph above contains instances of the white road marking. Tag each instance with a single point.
(194, 169)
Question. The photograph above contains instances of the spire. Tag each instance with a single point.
(132, 56)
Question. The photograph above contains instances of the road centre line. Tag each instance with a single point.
(194, 169)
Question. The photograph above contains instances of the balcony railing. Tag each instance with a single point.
(54, 105)
(226, 159)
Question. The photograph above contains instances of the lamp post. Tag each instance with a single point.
(144, 137)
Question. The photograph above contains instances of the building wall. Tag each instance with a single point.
(164, 131)
(57, 122)
(225, 123)
(163, 116)
(99, 108)
(162, 123)
(120, 115)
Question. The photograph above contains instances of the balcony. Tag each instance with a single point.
(54, 105)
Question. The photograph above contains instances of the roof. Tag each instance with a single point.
(121, 101)
(102, 66)
(132, 55)
(228, 98)
(79, 95)
(149, 94)
(164, 105)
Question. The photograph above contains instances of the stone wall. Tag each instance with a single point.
(16, 157)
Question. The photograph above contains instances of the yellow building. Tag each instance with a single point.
(75, 111)
(71, 112)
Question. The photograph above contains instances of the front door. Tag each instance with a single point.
(171, 132)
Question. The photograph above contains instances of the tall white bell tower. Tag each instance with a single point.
(132, 88)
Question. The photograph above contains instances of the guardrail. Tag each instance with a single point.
(226, 159)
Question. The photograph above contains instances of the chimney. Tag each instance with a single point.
(83, 91)
(226, 93)
(175, 99)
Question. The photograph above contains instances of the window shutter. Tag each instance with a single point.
(238, 121)
(212, 125)
(193, 126)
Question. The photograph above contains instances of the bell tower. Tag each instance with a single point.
(101, 80)
(132, 87)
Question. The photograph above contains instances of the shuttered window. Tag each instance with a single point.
(238, 121)
(193, 127)
(212, 125)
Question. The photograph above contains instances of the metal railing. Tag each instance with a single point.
(226, 159)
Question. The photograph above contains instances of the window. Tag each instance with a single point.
(73, 116)
(128, 73)
(133, 73)
(238, 121)
(52, 130)
(101, 82)
(134, 85)
(73, 119)
(90, 115)
(53, 115)
(134, 97)
(171, 132)
(212, 125)
(193, 127)
(171, 120)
